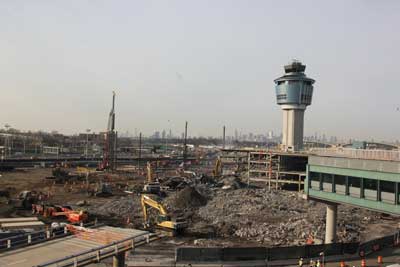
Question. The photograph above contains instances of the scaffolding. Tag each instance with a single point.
(276, 169)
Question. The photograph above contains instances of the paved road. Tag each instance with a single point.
(59, 248)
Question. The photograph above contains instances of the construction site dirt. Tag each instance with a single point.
(220, 211)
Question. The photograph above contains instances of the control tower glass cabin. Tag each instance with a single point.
(293, 93)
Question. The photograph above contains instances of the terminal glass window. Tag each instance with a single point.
(354, 186)
(340, 184)
(370, 189)
(398, 193)
(327, 182)
(387, 191)
(314, 180)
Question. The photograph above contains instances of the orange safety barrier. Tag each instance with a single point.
(363, 263)
(380, 259)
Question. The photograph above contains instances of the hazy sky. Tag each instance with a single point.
(208, 62)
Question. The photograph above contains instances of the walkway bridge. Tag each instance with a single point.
(367, 179)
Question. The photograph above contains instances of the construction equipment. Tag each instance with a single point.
(73, 216)
(163, 221)
(24, 200)
(103, 190)
(217, 172)
(152, 186)
(110, 142)
(61, 175)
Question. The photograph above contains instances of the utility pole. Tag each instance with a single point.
(185, 145)
(140, 148)
(87, 142)
(115, 151)
(223, 137)
(24, 143)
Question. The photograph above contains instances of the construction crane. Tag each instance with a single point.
(110, 141)
(163, 220)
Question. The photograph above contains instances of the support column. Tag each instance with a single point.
(331, 216)
(378, 191)
(119, 260)
(362, 192)
(320, 182)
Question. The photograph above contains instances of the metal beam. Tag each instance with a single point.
(355, 201)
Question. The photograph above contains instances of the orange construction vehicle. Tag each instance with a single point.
(73, 216)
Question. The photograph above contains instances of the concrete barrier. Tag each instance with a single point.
(282, 253)
(191, 254)
(196, 254)
(377, 244)
(244, 254)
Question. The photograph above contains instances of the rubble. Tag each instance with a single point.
(231, 182)
(275, 218)
(187, 198)
(122, 208)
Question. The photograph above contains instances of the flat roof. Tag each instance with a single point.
(22, 224)
(63, 247)
(19, 219)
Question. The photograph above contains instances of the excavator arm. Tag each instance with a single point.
(164, 220)
(148, 201)
(218, 168)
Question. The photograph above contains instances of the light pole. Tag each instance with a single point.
(7, 140)
(166, 139)
(87, 141)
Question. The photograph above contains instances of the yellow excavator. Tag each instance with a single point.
(163, 220)
(217, 168)
(152, 186)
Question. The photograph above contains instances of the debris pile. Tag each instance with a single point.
(231, 182)
(228, 209)
(275, 217)
(187, 198)
(123, 207)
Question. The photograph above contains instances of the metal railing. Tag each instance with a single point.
(26, 239)
(391, 155)
(31, 238)
(100, 253)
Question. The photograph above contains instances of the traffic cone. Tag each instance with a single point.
(363, 263)
(380, 259)
(342, 264)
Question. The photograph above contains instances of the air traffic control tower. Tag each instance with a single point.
(293, 93)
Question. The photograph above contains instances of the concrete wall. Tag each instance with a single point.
(293, 128)
(358, 164)
(196, 254)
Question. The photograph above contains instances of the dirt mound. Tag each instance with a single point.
(189, 197)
